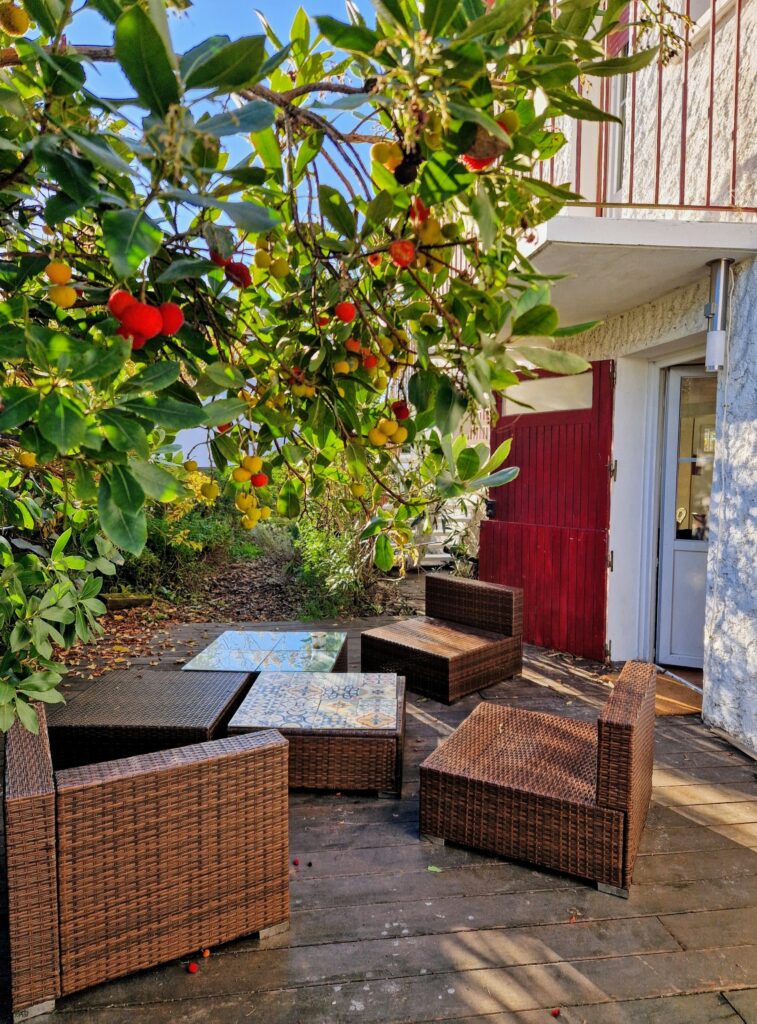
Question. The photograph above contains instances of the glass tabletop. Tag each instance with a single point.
(254, 650)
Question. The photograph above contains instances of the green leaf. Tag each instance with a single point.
(232, 66)
(248, 216)
(7, 716)
(157, 482)
(437, 14)
(378, 211)
(288, 502)
(499, 20)
(154, 377)
(223, 411)
(27, 716)
(127, 530)
(270, 65)
(124, 489)
(503, 476)
(468, 463)
(17, 405)
(47, 14)
(123, 432)
(60, 421)
(552, 360)
(353, 38)
(619, 65)
(184, 270)
(145, 61)
(99, 152)
(167, 412)
(449, 407)
(96, 362)
(129, 237)
(443, 177)
(571, 329)
(539, 320)
(200, 54)
(383, 555)
(252, 117)
(336, 211)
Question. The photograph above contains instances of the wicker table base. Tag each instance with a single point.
(345, 730)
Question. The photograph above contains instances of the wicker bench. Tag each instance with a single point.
(568, 795)
(118, 866)
(469, 638)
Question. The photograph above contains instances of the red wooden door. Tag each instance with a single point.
(550, 531)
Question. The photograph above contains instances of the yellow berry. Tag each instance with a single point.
(375, 436)
(309, 390)
(394, 157)
(241, 475)
(208, 490)
(388, 427)
(27, 459)
(279, 267)
(265, 512)
(386, 345)
(399, 436)
(340, 391)
(252, 463)
(358, 490)
(430, 232)
(191, 466)
(13, 20)
(63, 296)
(300, 390)
(382, 380)
(353, 362)
(58, 273)
(381, 151)
(249, 522)
(262, 259)
(341, 366)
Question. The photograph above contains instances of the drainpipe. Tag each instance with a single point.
(716, 311)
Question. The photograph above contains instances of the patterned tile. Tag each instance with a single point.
(323, 700)
(252, 650)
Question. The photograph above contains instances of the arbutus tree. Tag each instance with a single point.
(309, 247)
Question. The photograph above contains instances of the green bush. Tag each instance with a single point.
(335, 569)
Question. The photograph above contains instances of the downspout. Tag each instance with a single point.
(717, 311)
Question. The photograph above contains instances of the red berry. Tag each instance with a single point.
(172, 317)
(475, 163)
(192, 967)
(400, 410)
(206, 953)
(402, 253)
(296, 862)
(323, 319)
(374, 259)
(370, 361)
(143, 319)
(137, 340)
(418, 210)
(555, 1012)
(218, 259)
(345, 311)
(259, 479)
(352, 345)
(238, 274)
(120, 301)
(224, 428)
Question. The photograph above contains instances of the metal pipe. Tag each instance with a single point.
(717, 312)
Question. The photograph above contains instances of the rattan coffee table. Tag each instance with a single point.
(263, 650)
(129, 712)
(345, 730)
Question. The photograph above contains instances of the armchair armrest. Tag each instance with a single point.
(488, 606)
(164, 853)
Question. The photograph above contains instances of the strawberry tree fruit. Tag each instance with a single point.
(14, 20)
(238, 273)
(400, 410)
(345, 311)
(241, 475)
(265, 512)
(218, 259)
(370, 361)
(27, 459)
(191, 466)
(387, 426)
(377, 437)
(262, 259)
(142, 318)
(252, 463)
(172, 318)
(353, 345)
(224, 428)
(63, 295)
(137, 340)
(119, 302)
(279, 268)
(509, 121)
(419, 212)
(358, 490)
(374, 259)
(341, 366)
(399, 436)
(402, 253)
(323, 319)
(259, 479)
(210, 490)
(58, 272)
(473, 163)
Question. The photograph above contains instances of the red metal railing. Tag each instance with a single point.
(682, 145)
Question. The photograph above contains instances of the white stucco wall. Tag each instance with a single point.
(731, 618)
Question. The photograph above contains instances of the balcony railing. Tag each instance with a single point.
(687, 141)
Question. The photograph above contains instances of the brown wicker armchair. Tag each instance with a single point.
(118, 866)
(568, 795)
(469, 638)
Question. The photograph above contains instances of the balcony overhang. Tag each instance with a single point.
(616, 264)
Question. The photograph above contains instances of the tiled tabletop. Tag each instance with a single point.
(320, 700)
(259, 650)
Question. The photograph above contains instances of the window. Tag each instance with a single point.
(549, 394)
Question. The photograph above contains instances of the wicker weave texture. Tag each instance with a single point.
(163, 854)
(526, 785)
(625, 752)
(440, 659)
(487, 606)
(31, 867)
(129, 713)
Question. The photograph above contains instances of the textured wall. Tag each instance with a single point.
(731, 621)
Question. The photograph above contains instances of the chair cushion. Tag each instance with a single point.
(522, 750)
(435, 636)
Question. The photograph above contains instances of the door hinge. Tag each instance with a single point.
(611, 560)
(608, 652)
(612, 469)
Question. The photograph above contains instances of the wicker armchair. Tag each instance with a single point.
(469, 638)
(568, 795)
(118, 866)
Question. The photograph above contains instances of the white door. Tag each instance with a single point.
(688, 457)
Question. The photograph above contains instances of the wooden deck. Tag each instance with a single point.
(378, 934)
